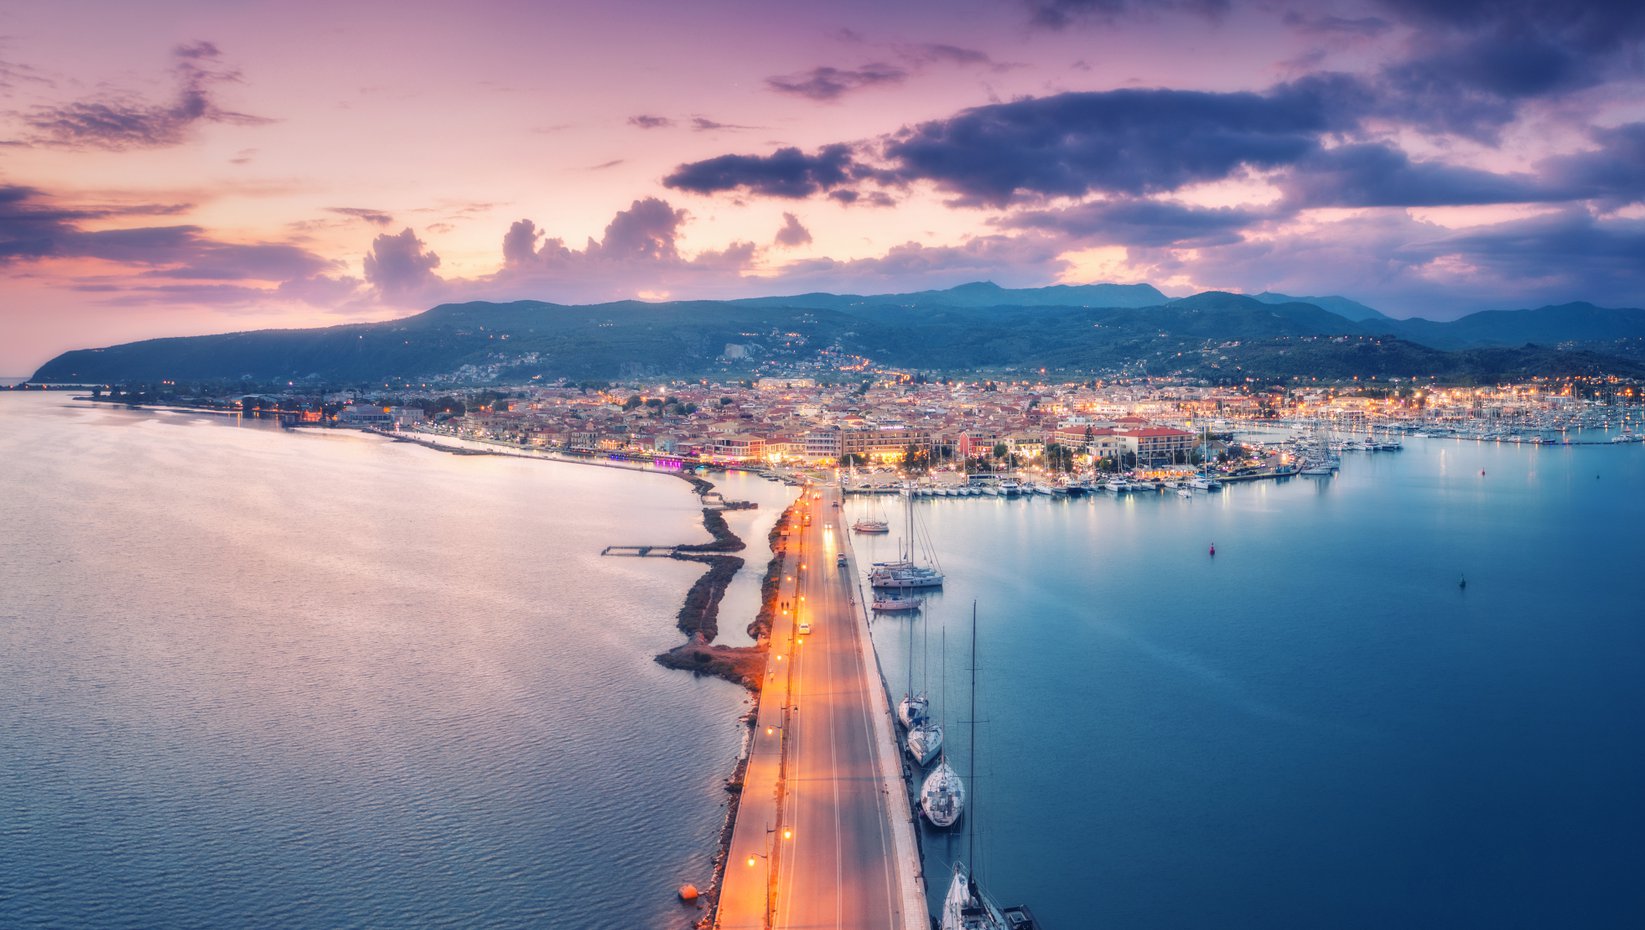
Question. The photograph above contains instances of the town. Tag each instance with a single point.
(920, 424)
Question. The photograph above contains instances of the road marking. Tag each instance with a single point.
(874, 749)
(834, 777)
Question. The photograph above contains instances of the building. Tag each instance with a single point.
(1157, 445)
(883, 443)
(785, 384)
(738, 447)
(823, 445)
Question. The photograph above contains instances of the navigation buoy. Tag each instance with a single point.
(1463, 584)
(688, 892)
(1213, 548)
(1482, 472)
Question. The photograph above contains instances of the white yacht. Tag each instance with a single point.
(913, 710)
(890, 604)
(924, 742)
(871, 527)
(905, 574)
(905, 579)
(965, 907)
(942, 796)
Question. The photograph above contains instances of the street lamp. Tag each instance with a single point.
(769, 830)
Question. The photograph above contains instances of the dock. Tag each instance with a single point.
(666, 552)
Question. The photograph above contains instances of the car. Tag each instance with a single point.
(840, 560)
(805, 627)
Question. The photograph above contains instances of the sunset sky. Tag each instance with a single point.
(174, 167)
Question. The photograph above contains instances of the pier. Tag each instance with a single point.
(824, 834)
(666, 552)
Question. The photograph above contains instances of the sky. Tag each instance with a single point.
(176, 167)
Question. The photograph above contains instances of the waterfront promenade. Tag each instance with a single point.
(824, 836)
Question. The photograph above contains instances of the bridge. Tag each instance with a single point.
(824, 835)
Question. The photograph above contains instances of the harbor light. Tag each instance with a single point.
(751, 862)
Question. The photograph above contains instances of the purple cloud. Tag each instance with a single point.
(1369, 175)
(1121, 141)
(125, 123)
(638, 251)
(399, 265)
(704, 124)
(787, 172)
(1060, 14)
(827, 84)
(374, 217)
(31, 227)
(1365, 27)
(1149, 223)
(1613, 174)
(1015, 261)
(793, 233)
(847, 197)
(647, 121)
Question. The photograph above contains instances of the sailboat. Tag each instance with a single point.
(913, 709)
(942, 796)
(905, 574)
(965, 906)
(925, 737)
(871, 526)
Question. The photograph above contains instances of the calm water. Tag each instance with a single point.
(251, 678)
(1316, 728)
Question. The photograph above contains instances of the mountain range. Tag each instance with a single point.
(1070, 329)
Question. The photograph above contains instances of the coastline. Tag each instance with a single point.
(698, 618)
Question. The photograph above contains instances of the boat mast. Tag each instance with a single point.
(911, 542)
(910, 692)
(971, 776)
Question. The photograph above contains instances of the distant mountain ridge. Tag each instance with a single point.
(1341, 306)
(1072, 328)
(979, 294)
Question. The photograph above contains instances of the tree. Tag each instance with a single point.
(1000, 450)
(915, 460)
(632, 402)
(1059, 457)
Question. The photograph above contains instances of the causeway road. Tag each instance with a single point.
(824, 837)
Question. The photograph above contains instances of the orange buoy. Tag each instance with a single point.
(688, 892)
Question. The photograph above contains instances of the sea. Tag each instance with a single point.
(254, 677)
(1317, 727)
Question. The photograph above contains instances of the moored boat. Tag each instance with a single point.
(942, 795)
(924, 742)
